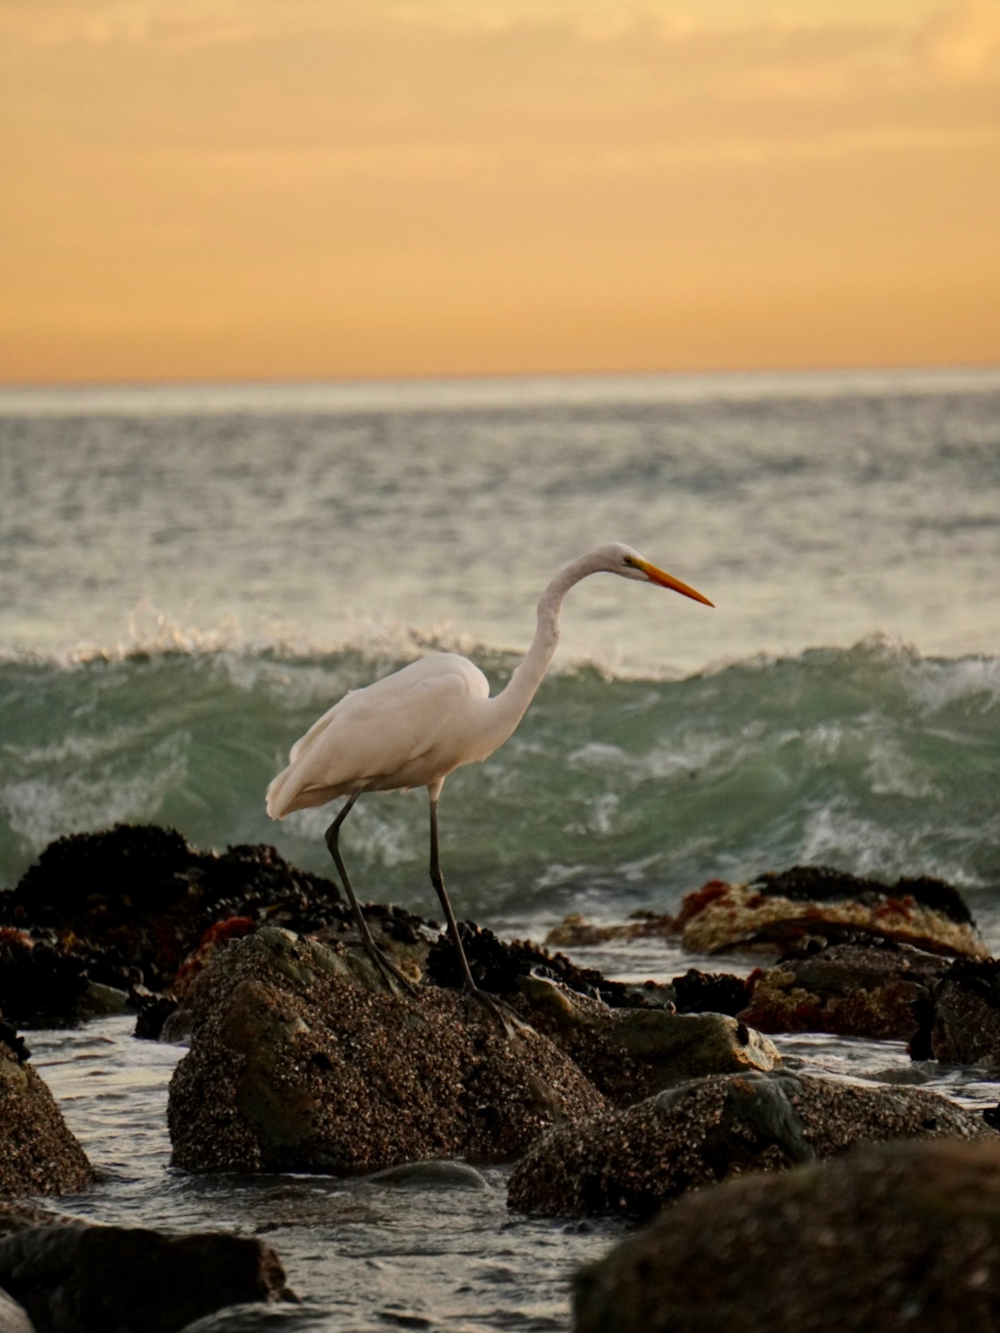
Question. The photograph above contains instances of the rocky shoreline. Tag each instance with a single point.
(609, 1098)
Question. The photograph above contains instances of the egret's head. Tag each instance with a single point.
(621, 559)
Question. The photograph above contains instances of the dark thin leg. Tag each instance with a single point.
(469, 986)
(389, 971)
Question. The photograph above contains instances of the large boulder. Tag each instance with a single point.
(78, 1278)
(38, 1154)
(301, 1060)
(780, 912)
(630, 1054)
(961, 1019)
(634, 1161)
(903, 1236)
(875, 990)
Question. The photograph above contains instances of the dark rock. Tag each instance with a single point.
(499, 968)
(630, 1054)
(136, 900)
(152, 1011)
(711, 992)
(809, 904)
(97, 1279)
(960, 1022)
(899, 1236)
(878, 990)
(40, 984)
(821, 884)
(300, 1060)
(15, 1044)
(634, 1161)
(38, 1154)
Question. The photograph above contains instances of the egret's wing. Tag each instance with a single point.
(374, 734)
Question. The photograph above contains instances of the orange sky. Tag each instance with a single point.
(202, 189)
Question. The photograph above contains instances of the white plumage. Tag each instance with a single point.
(418, 725)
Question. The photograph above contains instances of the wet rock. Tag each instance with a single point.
(878, 991)
(961, 1020)
(38, 1154)
(711, 992)
(92, 1279)
(575, 931)
(781, 912)
(425, 1175)
(152, 1013)
(300, 1060)
(499, 968)
(899, 1236)
(633, 1053)
(132, 902)
(13, 1317)
(634, 1161)
(40, 984)
(263, 1319)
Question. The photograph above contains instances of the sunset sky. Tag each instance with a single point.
(206, 189)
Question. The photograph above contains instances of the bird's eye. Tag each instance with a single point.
(629, 560)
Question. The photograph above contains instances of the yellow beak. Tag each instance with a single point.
(668, 581)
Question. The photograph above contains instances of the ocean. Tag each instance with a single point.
(190, 575)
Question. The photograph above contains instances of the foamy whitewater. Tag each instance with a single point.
(189, 576)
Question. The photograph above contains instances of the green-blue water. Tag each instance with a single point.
(189, 576)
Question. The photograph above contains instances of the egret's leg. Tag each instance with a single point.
(389, 971)
(469, 986)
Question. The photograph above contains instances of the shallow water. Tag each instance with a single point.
(364, 1255)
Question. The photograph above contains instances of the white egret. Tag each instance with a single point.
(418, 725)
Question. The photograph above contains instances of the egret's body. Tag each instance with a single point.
(418, 725)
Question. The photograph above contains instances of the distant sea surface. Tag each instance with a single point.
(188, 576)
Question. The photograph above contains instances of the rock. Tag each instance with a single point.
(877, 990)
(961, 1020)
(38, 1154)
(130, 908)
(40, 984)
(780, 912)
(711, 992)
(152, 1014)
(263, 1319)
(636, 1160)
(427, 1175)
(575, 931)
(13, 1317)
(898, 1236)
(301, 1061)
(93, 1279)
(499, 968)
(633, 1053)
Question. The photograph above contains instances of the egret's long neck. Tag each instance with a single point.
(511, 703)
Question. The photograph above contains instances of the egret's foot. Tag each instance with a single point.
(505, 1019)
(394, 979)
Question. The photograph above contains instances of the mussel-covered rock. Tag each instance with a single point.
(629, 1054)
(781, 912)
(634, 1161)
(961, 1019)
(898, 1236)
(878, 990)
(77, 1278)
(301, 1060)
(38, 1154)
(499, 967)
